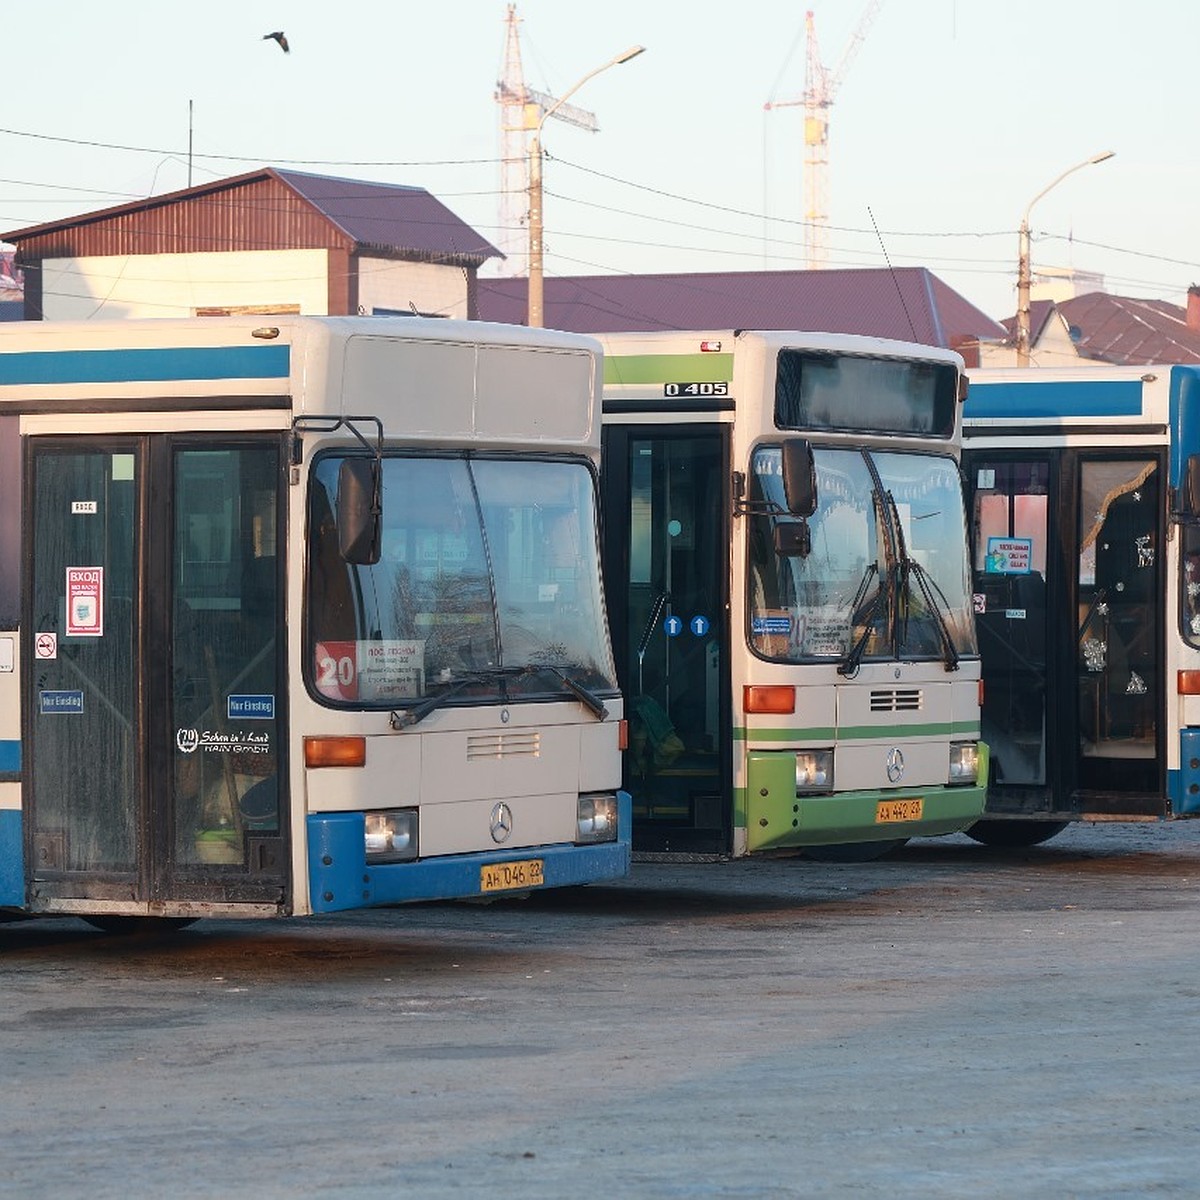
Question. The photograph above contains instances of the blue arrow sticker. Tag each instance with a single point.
(698, 625)
(673, 626)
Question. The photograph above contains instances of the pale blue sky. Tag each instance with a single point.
(954, 114)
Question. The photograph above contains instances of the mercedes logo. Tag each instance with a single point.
(502, 822)
(895, 765)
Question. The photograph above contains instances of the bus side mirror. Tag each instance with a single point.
(799, 477)
(359, 515)
(793, 539)
(1189, 500)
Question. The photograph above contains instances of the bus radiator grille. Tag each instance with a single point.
(525, 744)
(896, 700)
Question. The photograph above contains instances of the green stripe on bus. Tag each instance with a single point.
(829, 733)
(668, 368)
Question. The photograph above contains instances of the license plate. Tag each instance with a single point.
(511, 876)
(888, 812)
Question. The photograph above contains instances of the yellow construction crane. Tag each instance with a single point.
(820, 87)
(521, 110)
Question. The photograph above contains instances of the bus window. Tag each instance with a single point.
(488, 567)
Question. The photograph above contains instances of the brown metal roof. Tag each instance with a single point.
(909, 303)
(268, 209)
(1121, 329)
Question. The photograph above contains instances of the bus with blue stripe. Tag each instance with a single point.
(1084, 495)
(301, 615)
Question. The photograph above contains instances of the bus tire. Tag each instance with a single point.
(853, 852)
(139, 926)
(1015, 835)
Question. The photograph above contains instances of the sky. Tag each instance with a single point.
(948, 121)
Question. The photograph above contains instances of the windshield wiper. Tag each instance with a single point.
(587, 698)
(850, 664)
(909, 568)
(404, 717)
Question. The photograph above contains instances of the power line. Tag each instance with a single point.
(311, 162)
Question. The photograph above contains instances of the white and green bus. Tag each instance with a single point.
(789, 591)
(300, 615)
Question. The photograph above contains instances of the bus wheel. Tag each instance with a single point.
(853, 852)
(139, 926)
(1014, 835)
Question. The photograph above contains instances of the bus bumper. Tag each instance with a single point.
(12, 859)
(340, 879)
(778, 818)
(1183, 786)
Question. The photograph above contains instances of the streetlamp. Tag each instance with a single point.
(1023, 273)
(536, 289)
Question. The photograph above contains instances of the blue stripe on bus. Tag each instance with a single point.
(158, 364)
(1073, 398)
(10, 756)
(12, 859)
(339, 878)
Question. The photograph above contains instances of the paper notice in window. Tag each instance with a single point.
(390, 670)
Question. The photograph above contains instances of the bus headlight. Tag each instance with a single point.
(814, 770)
(597, 818)
(391, 836)
(964, 762)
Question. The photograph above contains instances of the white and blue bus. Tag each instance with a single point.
(300, 615)
(1084, 492)
(788, 584)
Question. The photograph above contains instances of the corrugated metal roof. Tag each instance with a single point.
(1122, 329)
(245, 212)
(390, 216)
(909, 304)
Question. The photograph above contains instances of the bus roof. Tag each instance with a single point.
(462, 381)
(633, 359)
(1067, 396)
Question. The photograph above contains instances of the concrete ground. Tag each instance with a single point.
(952, 1021)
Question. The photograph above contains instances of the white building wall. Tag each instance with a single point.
(1063, 283)
(1053, 348)
(399, 286)
(176, 285)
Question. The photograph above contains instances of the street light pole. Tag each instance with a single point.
(536, 249)
(1024, 275)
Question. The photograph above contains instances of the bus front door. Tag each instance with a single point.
(1069, 600)
(666, 560)
(153, 696)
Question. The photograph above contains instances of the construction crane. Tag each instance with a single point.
(821, 85)
(521, 110)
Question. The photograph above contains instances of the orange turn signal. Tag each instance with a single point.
(623, 735)
(335, 751)
(1189, 683)
(776, 699)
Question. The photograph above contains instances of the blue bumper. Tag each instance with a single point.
(12, 860)
(339, 877)
(1183, 786)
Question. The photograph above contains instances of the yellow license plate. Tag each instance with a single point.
(511, 876)
(888, 812)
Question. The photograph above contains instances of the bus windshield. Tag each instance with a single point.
(488, 585)
(885, 572)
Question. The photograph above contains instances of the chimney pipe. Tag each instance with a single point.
(1193, 307)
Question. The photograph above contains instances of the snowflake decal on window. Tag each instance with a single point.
(1095, 652)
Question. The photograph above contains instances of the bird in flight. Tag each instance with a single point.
(277, 36)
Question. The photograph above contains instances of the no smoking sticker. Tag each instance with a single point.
(45, 645)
